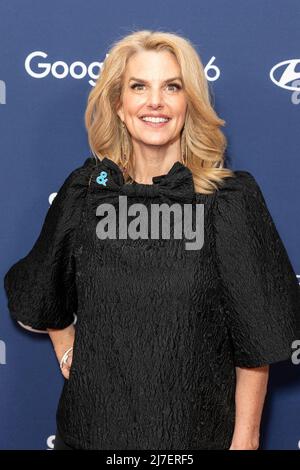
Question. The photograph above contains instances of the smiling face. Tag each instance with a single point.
(150, 89)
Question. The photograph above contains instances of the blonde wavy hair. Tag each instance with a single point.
(204, 142)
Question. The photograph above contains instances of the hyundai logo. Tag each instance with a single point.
(285, 73)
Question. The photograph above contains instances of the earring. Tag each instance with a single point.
(184, 148)
(124, 158)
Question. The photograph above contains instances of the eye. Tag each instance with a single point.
(178, 87)
(135, 85)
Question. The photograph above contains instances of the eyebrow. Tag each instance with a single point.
(145, 81)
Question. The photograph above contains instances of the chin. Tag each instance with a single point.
(156, 142)
(157, 139)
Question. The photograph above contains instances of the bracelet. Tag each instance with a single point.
(65, 358)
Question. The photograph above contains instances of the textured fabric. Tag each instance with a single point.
(59, 444)
(160, 329)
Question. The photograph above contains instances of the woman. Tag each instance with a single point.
(171, 346)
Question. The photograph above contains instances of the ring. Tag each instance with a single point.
(64, 359)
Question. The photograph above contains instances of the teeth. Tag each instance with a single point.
(154, 119)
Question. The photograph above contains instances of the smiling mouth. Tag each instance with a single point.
(155, 124)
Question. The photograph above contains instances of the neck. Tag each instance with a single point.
(149, 162)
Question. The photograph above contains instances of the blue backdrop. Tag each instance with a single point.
(251, 54)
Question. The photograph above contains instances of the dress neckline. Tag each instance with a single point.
(155, 179)
(176, 184)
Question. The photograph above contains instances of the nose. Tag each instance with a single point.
(155, 99)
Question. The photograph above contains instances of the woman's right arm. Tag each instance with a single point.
(62, 340)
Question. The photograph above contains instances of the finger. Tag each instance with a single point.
(67, 363)
(65, 373)
(65, 367)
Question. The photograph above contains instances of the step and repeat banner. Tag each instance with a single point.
(50, 57)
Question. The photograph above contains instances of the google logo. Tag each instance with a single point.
(60, 69)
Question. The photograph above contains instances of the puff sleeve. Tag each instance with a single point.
(41, 287)
(261, 294)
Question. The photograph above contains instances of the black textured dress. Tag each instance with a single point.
(160, 329)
